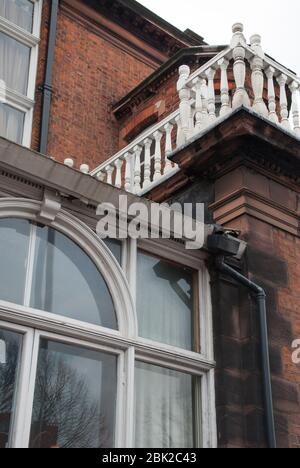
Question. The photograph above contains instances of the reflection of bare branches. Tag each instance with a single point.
(7, 388)
(7, 377)
(65, 412)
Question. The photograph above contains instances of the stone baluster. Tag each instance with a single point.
(180, 139)
(294, 88)
(109, 172)
(255, 44)
(238, 37)
(197, 82)
(157, 155)
(101, 176)
(168, 147)
(211, 103)
(238, 43)
(282, 81)
(118, 166)
(225, 99)
(184, 97)
(128, 158)
(204, 93)
(257, 79)
(137, 168)
(271, 95)
(147, 163)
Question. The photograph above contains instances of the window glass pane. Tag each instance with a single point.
(66, 281)
(19, 12)
(14, 64)
(10, 348)
(164, 301)
(14, 243)
(115, 247)
(75, 398)
(11, 123)
(163, 408)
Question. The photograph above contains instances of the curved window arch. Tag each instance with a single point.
(44, 269)
(113, 377)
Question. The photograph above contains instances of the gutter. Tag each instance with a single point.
(47, 86)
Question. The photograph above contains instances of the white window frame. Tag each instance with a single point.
(24, 103)
(125, 343)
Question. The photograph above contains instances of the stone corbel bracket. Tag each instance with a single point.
(50, 207)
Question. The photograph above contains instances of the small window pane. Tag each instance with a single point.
(66, 281)
(11, 123)
(14, 244)
(164, 301)
(115, 247)
(10, 348)
(14, 64)
(75, 398)
(164, 408)
(19, 12)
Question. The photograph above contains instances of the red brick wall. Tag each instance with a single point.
(90, 74)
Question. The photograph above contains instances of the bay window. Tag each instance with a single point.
(19, 38)
(73, 373)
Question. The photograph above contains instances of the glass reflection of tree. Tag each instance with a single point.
(65, 414)
(7, 387)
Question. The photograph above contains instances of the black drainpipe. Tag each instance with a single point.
(260, 297)
(47, 86)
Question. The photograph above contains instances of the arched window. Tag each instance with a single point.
(45, 270)
(101, 346)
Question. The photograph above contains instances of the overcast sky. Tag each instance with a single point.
(277, 21)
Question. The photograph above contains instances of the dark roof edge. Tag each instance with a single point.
(187, 52)
(186, 37)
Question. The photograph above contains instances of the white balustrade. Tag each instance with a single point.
(270, 71)
(118, 166)
(128, 158)
(282, 81)
(109, 173)
(224, 88)
(137, 168)
(157, 156)
(184, 97)
(202, 102)
(257, 78)
(294, 88)
(211, 102)
(147, 163)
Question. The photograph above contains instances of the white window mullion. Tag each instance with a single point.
(37, 17)
(28, 400)
(23, 381)
(30, 265)
(129, 398)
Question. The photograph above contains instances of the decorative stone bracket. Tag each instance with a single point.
(51, 206)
